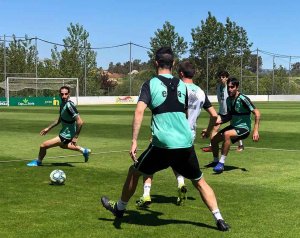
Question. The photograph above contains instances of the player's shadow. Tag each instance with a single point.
(64, 164)
(227, 168)
(230, 167)
(151, 218)
(165, 199)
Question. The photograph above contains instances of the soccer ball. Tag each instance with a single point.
(58, 177)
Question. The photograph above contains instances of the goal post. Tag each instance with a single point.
(38, 86)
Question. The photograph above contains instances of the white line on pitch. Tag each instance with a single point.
(119, 151)
(259, 148)
(65, 156)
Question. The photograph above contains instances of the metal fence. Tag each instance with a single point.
(273, 82)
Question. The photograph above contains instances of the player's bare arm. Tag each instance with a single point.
(224, 118)
(212, 122)
(136, 125)
(79, 123)
(255, 135)
(47, 129)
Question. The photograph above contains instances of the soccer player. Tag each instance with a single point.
(222, 95)
(68, 136)
(239, 109)
(172, 140)
(197, 100)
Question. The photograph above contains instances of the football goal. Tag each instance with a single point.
(38, 87)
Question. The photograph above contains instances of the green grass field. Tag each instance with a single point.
(258, 194)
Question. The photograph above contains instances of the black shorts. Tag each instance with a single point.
(242, 133)
(184, 161)
(64, 140)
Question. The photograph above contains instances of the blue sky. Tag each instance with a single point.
(271, 25)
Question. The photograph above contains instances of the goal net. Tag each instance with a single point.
(38, 87)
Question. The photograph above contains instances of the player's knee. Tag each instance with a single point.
(227, 136)
(201, 185)
(197, 184)
(44, 145)
(132, 170)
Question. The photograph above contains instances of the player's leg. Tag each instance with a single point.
(129, 187)
(149, 162)
(228, 135)
(145, 200)
(208, 197)
(43, 150)
(187, 164)
(240, 146)
(71, 146)
(181, 188)
(215, 149)
(213, 133)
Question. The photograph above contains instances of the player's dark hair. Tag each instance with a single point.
(233, 81)
(187, 68)
(65, 87)
(223, 73)
(164, 57)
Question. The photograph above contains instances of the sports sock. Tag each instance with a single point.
(222, 159)
(180, 180)
(217, 214)
(240, 143)
(147, 188)
(121, 205)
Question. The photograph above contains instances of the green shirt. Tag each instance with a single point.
(169, 125)
(68, 114)
(240, 108)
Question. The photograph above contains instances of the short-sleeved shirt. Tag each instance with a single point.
(197, 100)
(222, 95)
(68, 113)
(169, 126)
(240, 108)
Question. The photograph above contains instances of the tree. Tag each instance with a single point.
(223, 46)
(136, 82)
(125, 67)
(106, 83)
(20, 57)
(76, 55)
(252, 63)
(295, 69)
(167, 37)
(281, 80)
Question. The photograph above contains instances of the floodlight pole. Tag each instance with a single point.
(273, 75)
(7, 90)
(36, 67)
(4, 57)
(85, 67)
(4, 65)
(207, 71)
(130, 67)
(289, 74)
(241, 69)
(77, 91)
(257, 71)
(241, 63)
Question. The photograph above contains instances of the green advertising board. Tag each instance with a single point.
(30, 101)
(3, 101)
